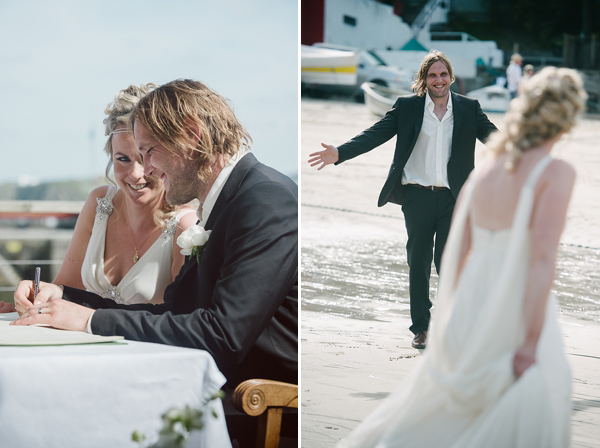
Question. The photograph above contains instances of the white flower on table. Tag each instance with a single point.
(192, 241)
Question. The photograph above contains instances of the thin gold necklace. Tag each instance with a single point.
(136, 256)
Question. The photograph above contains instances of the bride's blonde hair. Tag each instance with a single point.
(119, 112)
(548, 104)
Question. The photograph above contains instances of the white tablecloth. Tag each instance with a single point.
(97, 395)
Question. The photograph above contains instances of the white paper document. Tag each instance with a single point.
(36, 335)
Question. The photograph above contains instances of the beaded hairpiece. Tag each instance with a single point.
(119, 131)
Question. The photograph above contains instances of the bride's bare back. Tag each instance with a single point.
(497, 192)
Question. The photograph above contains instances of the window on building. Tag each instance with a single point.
(350, 20)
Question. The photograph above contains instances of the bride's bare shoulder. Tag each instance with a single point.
(559, 174)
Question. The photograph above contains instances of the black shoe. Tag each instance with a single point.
(420, 340)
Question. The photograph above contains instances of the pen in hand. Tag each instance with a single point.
(36, 282)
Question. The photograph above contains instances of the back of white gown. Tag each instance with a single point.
(463, 392)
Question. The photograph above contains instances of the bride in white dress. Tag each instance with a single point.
(494, 373)
(123, 244)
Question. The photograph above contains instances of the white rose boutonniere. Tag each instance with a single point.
(192, 241)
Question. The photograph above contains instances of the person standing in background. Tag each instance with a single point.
(513, 74)
(528, 72)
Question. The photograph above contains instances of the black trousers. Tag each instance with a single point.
(427, 215)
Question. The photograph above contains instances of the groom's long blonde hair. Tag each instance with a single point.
(168, 112)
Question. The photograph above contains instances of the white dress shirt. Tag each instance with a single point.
(428, 162)
(204, 210)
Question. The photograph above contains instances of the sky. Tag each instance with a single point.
(63, 61)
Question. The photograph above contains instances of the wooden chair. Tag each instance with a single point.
(266, 399)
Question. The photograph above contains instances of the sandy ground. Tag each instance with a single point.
(350, 365)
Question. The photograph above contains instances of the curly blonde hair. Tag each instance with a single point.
(549, 104)
(119, 112)
(419, 86)
(172, 111)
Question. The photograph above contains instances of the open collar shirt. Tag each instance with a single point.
(204, 210)
(428, 162)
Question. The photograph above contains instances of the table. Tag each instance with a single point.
(97, 395)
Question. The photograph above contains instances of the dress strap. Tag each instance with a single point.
(182, 213)
(526, 199)
(171, 225)
(111, 191)
(469, 187)
(105, 204)
(471, 209)
(537, 171)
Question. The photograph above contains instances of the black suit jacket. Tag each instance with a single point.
(241, 302)
(405, 120)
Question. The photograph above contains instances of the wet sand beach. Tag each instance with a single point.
(355, 338)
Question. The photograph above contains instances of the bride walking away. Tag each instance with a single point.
(494, 373)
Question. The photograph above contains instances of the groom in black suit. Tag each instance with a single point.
(435, 133)
(239, 299)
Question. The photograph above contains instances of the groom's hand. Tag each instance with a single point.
(58, 314)
(326, 157)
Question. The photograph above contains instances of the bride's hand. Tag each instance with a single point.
(24, 298)
(524, 358)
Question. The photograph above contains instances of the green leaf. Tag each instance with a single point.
(178, 423)
(138, 436)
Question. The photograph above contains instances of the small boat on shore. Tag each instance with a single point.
(326, 66)
(492, 98)
(380, 99)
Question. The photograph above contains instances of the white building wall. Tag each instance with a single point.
(463, 66)
(486, 50)
(376, 25)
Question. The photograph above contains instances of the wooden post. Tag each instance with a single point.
(269, 428)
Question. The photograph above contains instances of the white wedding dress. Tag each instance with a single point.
(463, 393)
(147, 279)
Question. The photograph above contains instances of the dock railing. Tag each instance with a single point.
(25, 226)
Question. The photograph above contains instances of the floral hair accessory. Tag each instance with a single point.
(192, 241)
